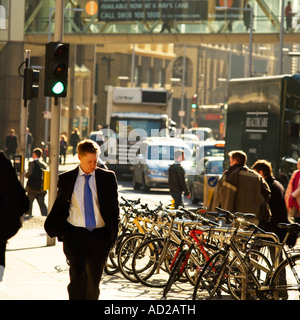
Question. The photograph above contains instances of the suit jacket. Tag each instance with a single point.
(28, 174)
(11, 144)
(56, 222)
(176, 179)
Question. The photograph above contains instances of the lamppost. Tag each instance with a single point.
(183, 84)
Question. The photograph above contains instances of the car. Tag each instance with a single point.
(212, 168)
(210, 149)
(190, 139)
(202, 133)
(153, 160)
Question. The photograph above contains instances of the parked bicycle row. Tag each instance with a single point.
(217, 253)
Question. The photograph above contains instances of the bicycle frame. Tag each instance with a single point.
(195, 238)
(246, 269)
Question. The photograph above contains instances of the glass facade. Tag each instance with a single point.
(161, 16)
(4, 19)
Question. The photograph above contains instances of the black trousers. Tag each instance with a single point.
(2, 252)
(40, 198)
(87, 254)
(177, 196)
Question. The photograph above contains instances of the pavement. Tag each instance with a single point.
(38, 271)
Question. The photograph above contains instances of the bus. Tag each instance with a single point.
(263, 119)
(212, 116)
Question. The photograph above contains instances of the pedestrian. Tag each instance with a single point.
(176, 179)
(77, 18)
(276, 202)
(74, 139)
(292, 196)
(11, 144)
(29, 141)
(34, 185)
(63, 146)
(247, 17)
(278, 210)
(241, 189)
(288, 11)
(88, 227)
(13, 204)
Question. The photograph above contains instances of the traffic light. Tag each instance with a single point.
(56, 69)
(194, 102)
(31, 83)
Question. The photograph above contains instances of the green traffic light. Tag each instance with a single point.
(58, 88)
(194, 105)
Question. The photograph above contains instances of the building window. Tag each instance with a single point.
(178, 70)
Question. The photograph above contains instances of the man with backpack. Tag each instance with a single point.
(34, 185)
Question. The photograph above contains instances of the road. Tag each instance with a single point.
(152, 197)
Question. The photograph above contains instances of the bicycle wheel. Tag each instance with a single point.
(125, 255)
(151, 262)
(285, 283)
(211, 278)
(258, 264)
(175, 272)
(195, 265)
(112, 266)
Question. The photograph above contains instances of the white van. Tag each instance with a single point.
(153, 160)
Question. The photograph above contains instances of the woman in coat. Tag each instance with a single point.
(292, 195)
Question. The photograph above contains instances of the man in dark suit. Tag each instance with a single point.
(11, 144)
(34, 185)
(87, 238)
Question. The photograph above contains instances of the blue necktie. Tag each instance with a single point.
(90, 222)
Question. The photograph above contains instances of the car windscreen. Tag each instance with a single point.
(144, 127)
(165, 152)
(215, 167)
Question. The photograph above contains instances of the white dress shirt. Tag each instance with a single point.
(76, 211)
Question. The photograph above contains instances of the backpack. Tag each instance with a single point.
(36, 180)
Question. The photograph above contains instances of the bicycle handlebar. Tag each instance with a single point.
(236, 215)
(195, 216)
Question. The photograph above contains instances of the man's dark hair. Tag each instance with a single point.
(38, 152)
(264, 166)
(87, 146)
(239, 156)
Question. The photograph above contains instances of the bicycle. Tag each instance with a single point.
(149, 224)
(246, 276)
(190, 260)
(126, 228)
(152, 260)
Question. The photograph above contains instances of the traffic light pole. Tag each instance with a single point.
(55, 120)
(23, 122)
